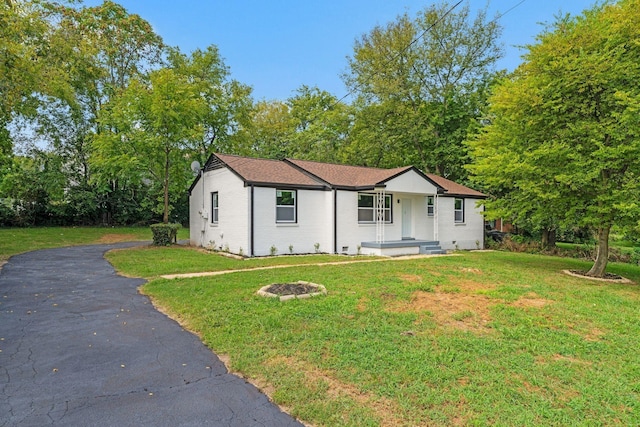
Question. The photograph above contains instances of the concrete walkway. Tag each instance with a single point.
(80, 347)
(272, 267)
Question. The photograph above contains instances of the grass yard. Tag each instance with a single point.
(624, 246)
(489, 338)
(17, 240)
(153, 261)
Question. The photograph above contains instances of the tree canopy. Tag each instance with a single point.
(69, 75)
(561, 146)
(419, 85)
(159, 123)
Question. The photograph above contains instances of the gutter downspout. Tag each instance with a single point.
(204, 220)
(251, 236)
(335, 220)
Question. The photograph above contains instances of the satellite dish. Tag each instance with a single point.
(195, 166)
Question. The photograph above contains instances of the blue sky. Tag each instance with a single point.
(276, 46)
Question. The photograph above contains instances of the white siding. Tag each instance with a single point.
(314, 223)
(232, 230)
(422, 224)
(351, 233)
(196, 223)
(315, 217)
(410, 182)
(466, 235)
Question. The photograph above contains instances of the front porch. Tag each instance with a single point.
(402, 247)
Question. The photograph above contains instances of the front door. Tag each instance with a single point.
(406, 219)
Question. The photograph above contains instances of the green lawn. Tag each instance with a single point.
(624, 246)
(490, 338)
(17, 240)
(156, 261)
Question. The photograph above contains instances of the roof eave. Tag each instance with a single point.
(286, 185)
(465, 196)
(200, 173)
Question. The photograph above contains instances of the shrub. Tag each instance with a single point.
(164, 234)
(8, 216)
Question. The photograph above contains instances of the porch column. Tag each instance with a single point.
(379, 212)
(435, 217)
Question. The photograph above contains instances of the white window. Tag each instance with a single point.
(367, 208)
(458, 210)
(430, 205)
(214, 208)
(286, 206)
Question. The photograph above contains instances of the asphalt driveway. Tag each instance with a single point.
(80, 347)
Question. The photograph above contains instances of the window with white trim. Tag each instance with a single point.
(431, 205)
(367, 203)
(286, 206)
(214, 207)
(458, 210)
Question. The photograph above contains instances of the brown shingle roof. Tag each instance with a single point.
(453, 188)
(348, 176)
(263, 171)
(305, 173)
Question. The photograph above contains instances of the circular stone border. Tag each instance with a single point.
(321, 291)
(598, 279)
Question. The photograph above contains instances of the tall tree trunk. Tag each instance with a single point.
(602, 258)
(548, 238)
(165, 217)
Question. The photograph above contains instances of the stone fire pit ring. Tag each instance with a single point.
(293, 290)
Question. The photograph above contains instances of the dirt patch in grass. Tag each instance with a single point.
(471, 286)
(562, 358)
(362, 304)
(412, 278)
(458, 304)
(594, 335)
(458, 310)
(117, 238)
(531, 300)
(384, 409)
(462, 305)
(471, 270)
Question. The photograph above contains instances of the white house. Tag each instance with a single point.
(257, 207)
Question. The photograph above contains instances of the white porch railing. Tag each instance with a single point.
(380, 200)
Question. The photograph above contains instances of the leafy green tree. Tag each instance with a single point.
(106, 47)
(563, 142)
(228, 102)
(152, 126)
(35, 187)
(84, 56)
(30, 65)
(155, 127)
(310, 125)
(320, 125)
(419, 85)
(268, 131)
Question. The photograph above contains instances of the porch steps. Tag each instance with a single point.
(431, 248)
(403, 247)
